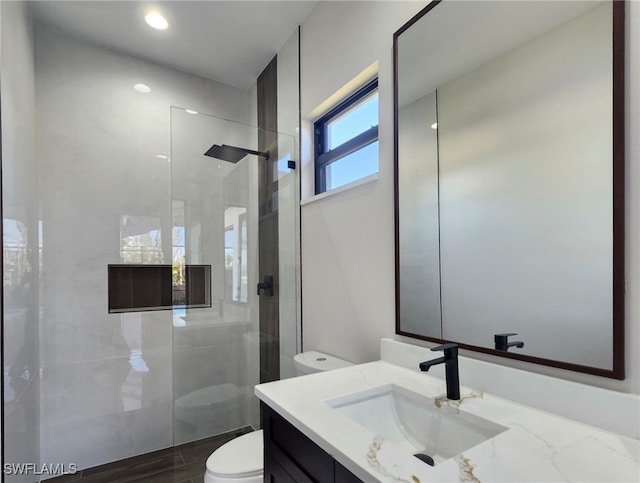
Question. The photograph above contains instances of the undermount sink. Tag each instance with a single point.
(419, 424)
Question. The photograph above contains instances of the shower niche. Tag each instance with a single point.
(137, 288)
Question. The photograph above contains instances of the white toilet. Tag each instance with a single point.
(212, 409)
(241, 459)
(221, 407)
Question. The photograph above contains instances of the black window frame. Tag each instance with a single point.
(323, 157)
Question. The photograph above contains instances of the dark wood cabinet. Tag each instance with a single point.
(274, 472)
(343, 475)
(289, 456)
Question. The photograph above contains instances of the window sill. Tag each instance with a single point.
(341, 189)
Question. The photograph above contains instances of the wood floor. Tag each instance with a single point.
(180, 464)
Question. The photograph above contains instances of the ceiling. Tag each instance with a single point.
(226, 41)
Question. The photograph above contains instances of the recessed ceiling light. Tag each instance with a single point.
(156, 20)
(145, 89)
(434, 125)
(191, 111)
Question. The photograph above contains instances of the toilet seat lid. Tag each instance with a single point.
(240, 457)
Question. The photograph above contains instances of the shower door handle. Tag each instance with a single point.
(266, 285)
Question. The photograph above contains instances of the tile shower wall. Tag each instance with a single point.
(106, 388)
(20, 239)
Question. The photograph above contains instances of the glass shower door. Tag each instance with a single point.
(219, 341)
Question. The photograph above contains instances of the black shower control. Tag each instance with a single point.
(266, 286)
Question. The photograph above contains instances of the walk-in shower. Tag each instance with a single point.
(217, 214)
(130, 259)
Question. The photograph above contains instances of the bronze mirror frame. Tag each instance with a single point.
(618, 226)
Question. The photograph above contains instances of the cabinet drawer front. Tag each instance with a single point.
(297, 454)
(274, 472)
(343, 475)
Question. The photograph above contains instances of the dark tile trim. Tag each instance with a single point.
(268, 238)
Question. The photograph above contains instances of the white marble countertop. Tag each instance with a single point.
(537, 447)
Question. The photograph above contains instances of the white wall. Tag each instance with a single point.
(20, 243)
(347, 239)
(97, 144)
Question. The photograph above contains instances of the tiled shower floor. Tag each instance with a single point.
(181, 464)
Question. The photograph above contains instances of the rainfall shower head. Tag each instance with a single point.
(232, 154)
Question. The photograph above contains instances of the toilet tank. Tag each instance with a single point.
(312, 361)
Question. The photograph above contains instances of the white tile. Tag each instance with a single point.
(107, 387)
(20, 336)
(111, 437)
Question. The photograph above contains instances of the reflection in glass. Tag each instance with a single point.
(140, 239)
(418, 221)
(14, 251)
(178, 242)
(216, 350)
(235, 263)
(512, 186)
(20, 338)
(242, 262)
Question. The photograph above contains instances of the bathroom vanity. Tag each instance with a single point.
(366, 422)
(292, 457)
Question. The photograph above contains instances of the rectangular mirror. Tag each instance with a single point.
(509, 170)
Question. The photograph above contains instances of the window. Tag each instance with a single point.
(235, 253)
(346, 140)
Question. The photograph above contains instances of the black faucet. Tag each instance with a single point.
(450, 360)
(503, 344)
